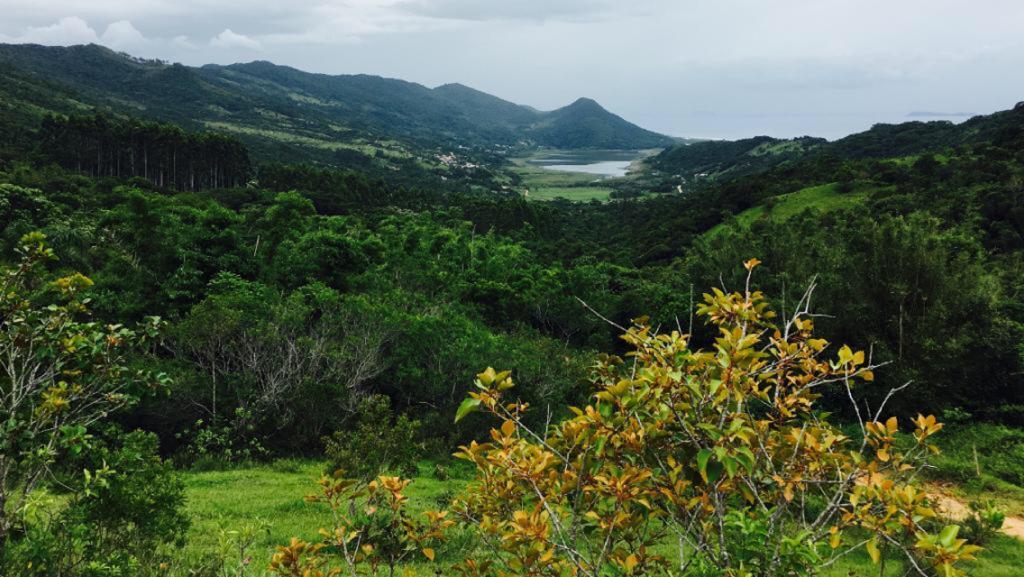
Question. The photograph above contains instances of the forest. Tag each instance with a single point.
(193, 334)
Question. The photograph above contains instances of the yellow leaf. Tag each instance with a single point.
(507, 428)
(429, 553)
(872, 548)
(883, 455)
(630, 563)
(892, 424)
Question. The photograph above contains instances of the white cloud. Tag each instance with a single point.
(183, 42)
(538, 10)
(228, 39)
(65, 32)
(71, 30)
(122, 35)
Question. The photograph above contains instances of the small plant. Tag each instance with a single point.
(379, 442)
(208, 444)
(984, 522)
(234, 555)
(441, 472)
(371, 528)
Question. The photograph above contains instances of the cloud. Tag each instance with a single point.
(65, 32)
(121, 35)
(536, 10)
(230, 40)
(71, 30)
(183, 42)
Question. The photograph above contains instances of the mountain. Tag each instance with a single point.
(486, 109)
(288, 114)
(724, 159)
(585, 124)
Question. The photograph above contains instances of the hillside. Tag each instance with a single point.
(287, 114)
(721, 157)
(725, 160)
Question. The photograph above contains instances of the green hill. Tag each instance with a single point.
(287, 114)
(586, 124)
(725, 160)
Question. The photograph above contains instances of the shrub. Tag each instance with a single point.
(209, 445)
(716, 452)
(123, 509)
(371, 528)
(61, 375)
(984, 522)
(378, 442)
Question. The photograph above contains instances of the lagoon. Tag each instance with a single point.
(604, 163)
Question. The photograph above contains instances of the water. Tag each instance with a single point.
(606, 163)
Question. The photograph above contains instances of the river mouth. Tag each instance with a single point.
(600, 163)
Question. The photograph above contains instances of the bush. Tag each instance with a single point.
(984, 522)
(717, 452)
(124, 510)
(378, 442)
(212, 446)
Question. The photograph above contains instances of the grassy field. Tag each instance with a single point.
(824, 197)
(270, 498)
(578, 193)
(544, 184)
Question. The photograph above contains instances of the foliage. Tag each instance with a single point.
(379, 442)
(371, 528)
(209, 444)
(62, 375)
(121, 514)
(159, 153)
(984, 522)
(722, 450)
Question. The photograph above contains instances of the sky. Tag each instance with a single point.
(695, 68)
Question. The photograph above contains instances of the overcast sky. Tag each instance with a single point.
(702, 68)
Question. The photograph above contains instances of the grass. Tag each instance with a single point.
(983, 461)
(389, 150)
(273, 493)
(271, 496)
(824, 197)
(577, 194)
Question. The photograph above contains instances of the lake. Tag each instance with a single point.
(606, 163)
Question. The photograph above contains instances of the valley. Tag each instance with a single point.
(262, 322)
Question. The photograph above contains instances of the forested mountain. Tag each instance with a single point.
(287, 114)
(724, 160)
(585, 124)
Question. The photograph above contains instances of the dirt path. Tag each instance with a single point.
(956, 509)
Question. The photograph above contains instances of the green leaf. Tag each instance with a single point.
(948, 535)
(731, 466)
(702, 463)
(468, 406)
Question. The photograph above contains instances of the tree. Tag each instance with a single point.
(58, 374)
(721, 453)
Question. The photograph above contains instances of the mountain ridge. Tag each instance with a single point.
(281, 110)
